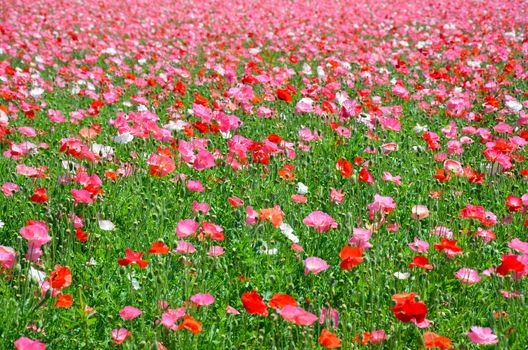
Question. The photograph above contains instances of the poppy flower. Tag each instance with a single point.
(321, 221)
(7, 257)
(133, 258)
(119, 335)
(274, 215)
(279, 301)
(60, 277)
(158, 248)
(191, 324)
(64, 301)
(254, 304)
(350, 256)
(284, 94)
(408, 309)
(344, 167)
(202, 299)
(24, 343)
(171, 316)
(129, 312)
(297, 315)
(421, 261)
(467, 276)
(329, 340)
(435, 341)
(314, 265)
(40, 196)
(482, 335)
(510, 262)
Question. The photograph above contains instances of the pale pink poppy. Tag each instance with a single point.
(7, 257)
(129, 312)
(331, 314)
(216, 250)
(203, 207)
(251, 215)
(419, 212)
(297, 315)
(202, 299)
(419, 246)
(171, 316)
(8, 188)
(322, 222)
(336, 196)
(186, 228)
(482, 335)
(314, 265)
(24, 343)
(519, 245)
(183, 247)
(389, 177)
(468, 276)
(232, 311)
(360, 238)
(120, 335)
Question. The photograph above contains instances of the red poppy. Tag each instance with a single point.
(158, 248)
(510, 263)
(40, 196)
(344, 167)
(81, 235)
(329, 340)
(60, 277)
(449, 244)
(133, 258)
(191, 324)
(435, 341)
(421, 261)
(253, 303)
(64, 301)
(284, 94)
(408, 309)
(350, 256)
(279, 301)
(514, 203)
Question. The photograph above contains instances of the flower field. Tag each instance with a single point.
(263, 174)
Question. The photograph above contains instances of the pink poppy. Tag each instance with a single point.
(186, 228)
(216, 250)
(482, 335)
(297, 315)
(322, 222)
(171, 316)
(360, 238)
(419, 212)
(24, 343)
(196, 186)
(82, 196)
(232, 311)
(336, 196)
(202, 299)
(468, 276)
(183, 247)
(314, 265)
(419, 246)
(120, 335)
(7, 257)
(129, 312)
(8, 188)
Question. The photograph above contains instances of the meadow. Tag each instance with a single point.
(263, 174)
